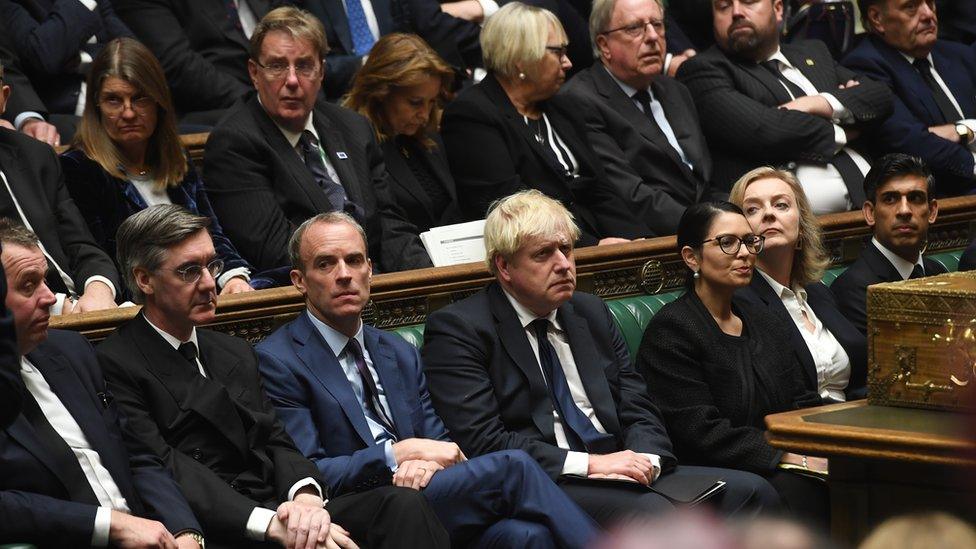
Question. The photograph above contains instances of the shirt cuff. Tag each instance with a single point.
(100, 278)
(655, 462)
(971, 124)
(489, 7)
(390, 456)
(258, 522)
(23, 117)
(242, 272)
(90, 4)
(103, 524)
(841, 114)
(840, 138)
(307, 481)
(577, 463)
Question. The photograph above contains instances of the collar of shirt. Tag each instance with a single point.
(627, 88)
(784, 291)
(26, 365)
(911, 60)
(778, 56)
(903, 267)
(526, 316)
(172, 340)
(336, 340)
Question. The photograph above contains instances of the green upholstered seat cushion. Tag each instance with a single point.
(413, 334)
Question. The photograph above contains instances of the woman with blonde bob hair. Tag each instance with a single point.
(127, 155)
(787, 284)
(512, 132)
(400, 89)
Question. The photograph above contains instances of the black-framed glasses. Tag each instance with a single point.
(639, 29)
(113, 107)
(276, 70)
(730, 244)
(192, 273)
(560, 51)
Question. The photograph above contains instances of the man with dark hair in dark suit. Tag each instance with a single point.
(281, 157)
(900, 207)
(72, 472)
(32, 191)
(530, 364)
(194, 397)
(642, 124)
(24, 110)
(791, 105)
(934, 82)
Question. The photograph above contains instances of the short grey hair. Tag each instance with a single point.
(144, 238)
(517, 34)
(332, 218)
(600, 15)
(13, 232)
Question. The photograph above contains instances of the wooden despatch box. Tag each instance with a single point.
(922, 342)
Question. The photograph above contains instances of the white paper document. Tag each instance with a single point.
(455, 244)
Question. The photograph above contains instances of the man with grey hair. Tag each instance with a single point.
(282, 157)
(641, 123)
(194, 396)
(355, 401)
(529, 363)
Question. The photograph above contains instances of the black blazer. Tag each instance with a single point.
(871, 267)
(22, 95)
(761, 296)
(640, 163)
(967, 261)
(219, 435)
(410, 196)
(739, 106)
(493, 153)
(49, 35)
(487, 386)
(10, 393)
(34, 503)
(203, 52)
(713, 403)
(261, 190)
(34, 175)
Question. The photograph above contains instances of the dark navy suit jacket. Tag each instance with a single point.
(915, 109)
(761, 295)
(34, 503)
(320, 411)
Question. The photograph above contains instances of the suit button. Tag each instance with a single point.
(235, 485)
(197, 454)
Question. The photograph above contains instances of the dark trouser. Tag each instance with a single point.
(609, 503)
(504, 499)
(805, 498)
(389, 517)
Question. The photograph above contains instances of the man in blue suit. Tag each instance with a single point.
(355, 401)
(71, 472)
(934, 82)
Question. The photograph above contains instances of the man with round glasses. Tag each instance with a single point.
(642, 124)
(194, 397)
(280, 157)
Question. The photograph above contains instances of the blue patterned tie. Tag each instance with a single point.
(362, 37)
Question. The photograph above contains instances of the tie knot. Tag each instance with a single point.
(308, 141)
(189, 351)
(353, 348)
(541, 327)
(922, 64)
(643, 97)
(917, 271)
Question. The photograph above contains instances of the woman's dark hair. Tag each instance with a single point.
(695, 224)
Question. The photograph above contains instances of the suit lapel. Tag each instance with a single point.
(819, 72)
(132, 195)
(911, 78)
(337, 18)
(333, 142)
(590, 366)
(957, 80)
(766, 80)
(775, 305)
(882, 269)
(217, 12)
(386, 367)
(318, 358)
(400, 172)
(674, 111)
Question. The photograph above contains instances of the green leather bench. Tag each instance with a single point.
(633, 313)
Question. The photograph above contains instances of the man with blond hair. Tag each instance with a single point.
(529, 363)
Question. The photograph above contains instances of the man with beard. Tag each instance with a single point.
(791, 106)
(899, 208)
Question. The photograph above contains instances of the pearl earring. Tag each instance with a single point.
(521, 76)
(696, 276)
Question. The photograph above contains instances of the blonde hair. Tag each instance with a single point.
(129, 60)
(811, 259)
(515, 218)
(921, 532)
(517, 35)
(397, 61)
(297, 23)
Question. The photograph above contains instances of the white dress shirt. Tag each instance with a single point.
(103, 485)
(823, 184)
(903, 267)
(829, 357)
(577, 463)
(260, 518)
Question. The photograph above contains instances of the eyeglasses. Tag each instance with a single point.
(560, 51)
(113, 107)
(638, 30)
(192, 273)
(731, 244)
(277, 70)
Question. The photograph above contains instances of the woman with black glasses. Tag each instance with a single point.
(715, 369)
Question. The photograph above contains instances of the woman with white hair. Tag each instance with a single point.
(511, 132)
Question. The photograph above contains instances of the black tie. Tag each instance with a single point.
(852, 177)
(66, 463)
(189, 352)
(579, 430)
(371, 393)
(948, 110)
(644, 98)
(917, 272)
(312, 155)
(773, 66)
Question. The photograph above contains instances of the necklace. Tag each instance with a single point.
(538, 129)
